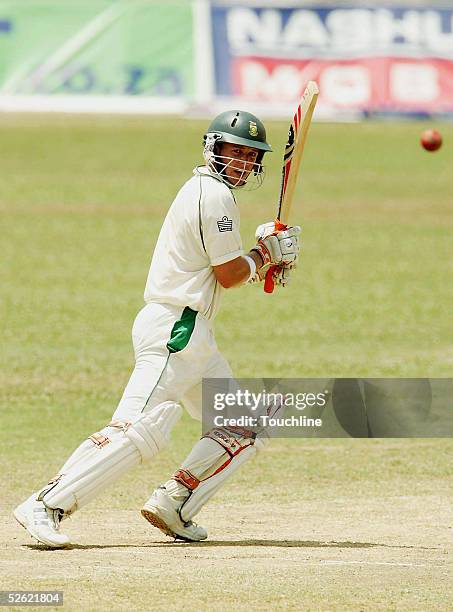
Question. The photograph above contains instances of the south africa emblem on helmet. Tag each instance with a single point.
(253, 130)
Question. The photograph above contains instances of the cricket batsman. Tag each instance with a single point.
(198, 255)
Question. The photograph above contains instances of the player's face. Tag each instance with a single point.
(239, 161)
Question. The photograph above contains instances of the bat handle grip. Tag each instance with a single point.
(269, 280)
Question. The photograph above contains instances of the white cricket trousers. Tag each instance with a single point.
(174, 350)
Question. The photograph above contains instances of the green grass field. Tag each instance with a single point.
(319, 524)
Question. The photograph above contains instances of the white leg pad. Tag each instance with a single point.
(213, 460)
(82, 452)
(119, 447)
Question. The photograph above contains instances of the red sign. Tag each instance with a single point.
(383, 83)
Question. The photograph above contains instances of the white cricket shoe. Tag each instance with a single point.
(41, 522)
(161, 511)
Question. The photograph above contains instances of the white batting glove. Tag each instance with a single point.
(269, 250)
(289, 244)
(265, 229)
(282, 275)
(280, 247)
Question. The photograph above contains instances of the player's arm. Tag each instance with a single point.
(237, 271)
(278, 248)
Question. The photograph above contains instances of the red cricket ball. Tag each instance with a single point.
(431, 140)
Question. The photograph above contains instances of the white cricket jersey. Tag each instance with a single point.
(201, 230)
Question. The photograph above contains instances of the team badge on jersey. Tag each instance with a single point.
(225, 225)
(253, 129)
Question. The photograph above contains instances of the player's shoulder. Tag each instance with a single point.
(211, 184)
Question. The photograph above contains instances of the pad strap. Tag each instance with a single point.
(187, 479)
(230, 438)
(99, 439)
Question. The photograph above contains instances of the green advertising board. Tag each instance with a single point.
(96, 47)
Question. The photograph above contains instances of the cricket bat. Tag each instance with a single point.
(292, 157)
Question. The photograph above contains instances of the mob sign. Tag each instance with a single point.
(364, 59)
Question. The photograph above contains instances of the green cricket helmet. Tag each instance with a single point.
(235, 127)
(240, 127)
